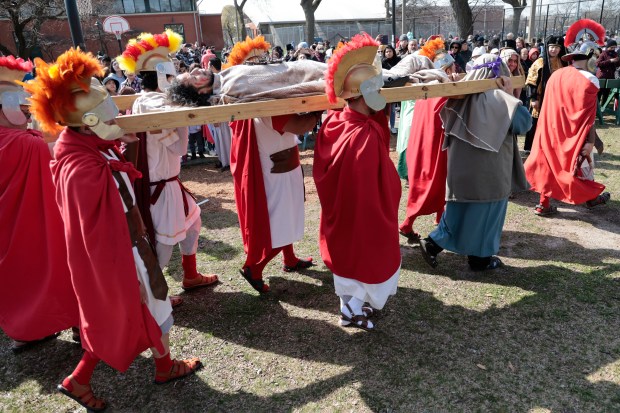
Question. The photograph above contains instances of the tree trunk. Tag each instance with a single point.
(463, 16)
(309, 26)
(241, 20)
(516, 19)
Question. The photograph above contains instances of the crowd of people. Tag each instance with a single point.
(101, 186)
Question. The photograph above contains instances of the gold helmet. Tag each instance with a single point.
(12, 96)
(354, 70)
(149, 53)
(250, 50)
(66, 93)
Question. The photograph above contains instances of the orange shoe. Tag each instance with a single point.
(179, 369)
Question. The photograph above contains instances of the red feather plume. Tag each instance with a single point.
(11, 63)
(590, 26)
(357, 41)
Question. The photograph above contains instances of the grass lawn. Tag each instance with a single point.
(540, 335)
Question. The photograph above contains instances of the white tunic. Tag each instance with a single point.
(374, 294)
(160, 310)
(221, 137)
(285, 192)
(164, 150)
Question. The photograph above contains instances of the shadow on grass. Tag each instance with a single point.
(214, 216)
(425, 355)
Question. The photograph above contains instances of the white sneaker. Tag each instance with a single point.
(394, 131)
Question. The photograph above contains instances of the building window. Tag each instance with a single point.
(177, 28)
(151, 6)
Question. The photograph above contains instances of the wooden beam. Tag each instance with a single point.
(238, 111)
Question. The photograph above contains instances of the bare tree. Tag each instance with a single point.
(517, 8)
(310, 7)
(27, 17)
(230, 24)
(463, 16)
(239, 7)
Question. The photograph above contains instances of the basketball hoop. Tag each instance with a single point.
(116, 25)
(85, 7)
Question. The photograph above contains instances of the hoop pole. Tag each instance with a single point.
(120, 44)
(74, 24)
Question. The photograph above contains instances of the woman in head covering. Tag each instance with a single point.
(511, 59)
(483, 168)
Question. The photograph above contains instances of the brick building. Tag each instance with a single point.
(152, 16)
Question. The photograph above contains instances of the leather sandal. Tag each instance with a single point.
(175, 300)
(541, 211)
(259, 285)
(199, 282)
(83, 394)
(412, 237)
(368, 313)
(20, 346)
(179, 369)
(301, 265)
(355, 320)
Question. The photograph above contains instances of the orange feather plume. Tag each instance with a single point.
(51, 91)
(242, 50)
(431, 48)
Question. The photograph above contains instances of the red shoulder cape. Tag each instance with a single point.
(567, 114)
(250, 195)
(427, 164)
(359, 190)
(37, 297)
(115, 325)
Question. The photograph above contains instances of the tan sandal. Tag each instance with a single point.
(179, 369)
(83, 394)
(200, 281)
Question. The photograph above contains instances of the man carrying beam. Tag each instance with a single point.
(174, 213)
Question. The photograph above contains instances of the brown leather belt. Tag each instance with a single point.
(140, 240)
(159, 187)
(285, 161)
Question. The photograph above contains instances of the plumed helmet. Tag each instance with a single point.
(144, 53)
(12, 71)
(66, 93)
(352, 71)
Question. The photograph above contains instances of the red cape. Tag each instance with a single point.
(37, 297)
(250, 195)
(567, 114)
(359, 190)
(115, 325)
(427, 164)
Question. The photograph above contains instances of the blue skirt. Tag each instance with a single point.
(471, 228)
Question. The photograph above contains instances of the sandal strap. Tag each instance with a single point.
(87, 398)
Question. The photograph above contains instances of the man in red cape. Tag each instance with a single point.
(269, 198)
(121, 292)
(565, 137)
(358, 187)
(37, 296)
(427, 166)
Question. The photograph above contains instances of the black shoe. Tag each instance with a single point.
(225, 168)
(412, 237)
(599, 200)
(218, 164)
(494, 263)
(429, 257)
(202, 155)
